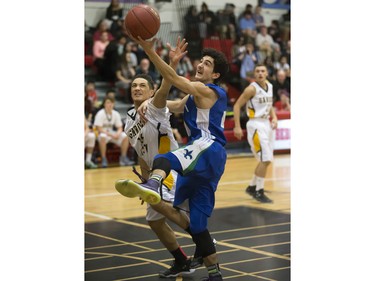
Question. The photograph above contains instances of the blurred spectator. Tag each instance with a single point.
(144, 68)
(268, 62)
(124, 75)
(276, 53)
(88, 103)
(98, 53)
(258, 17)
(89, 146)
(89, 33)
(248, 8)
(185, 67)
(109, 125)
(238, 49)
(287, 52)
(110, 93)
(282, 64)
(274, 32)
(226, 22)
(247, 27)
(103, 26)
(130, 55)
(264, 43)
(161, 50)
(249, 59)
(112, 57)
(281, 86)
(285, 26)
(90, 91)
(207, 22)
(191, 20)
(283, 104)
(114, 14)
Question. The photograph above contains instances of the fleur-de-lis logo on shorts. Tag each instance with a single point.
(188, 154)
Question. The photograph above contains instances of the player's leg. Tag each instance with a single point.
(103, 140)
(259, 140)
(181, 263)
(204, 242)
(90, 144)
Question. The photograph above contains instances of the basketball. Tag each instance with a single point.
(142, 21)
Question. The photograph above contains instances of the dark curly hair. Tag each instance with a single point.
(220, 62)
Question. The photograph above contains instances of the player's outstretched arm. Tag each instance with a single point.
(175, 55)
(165, 70)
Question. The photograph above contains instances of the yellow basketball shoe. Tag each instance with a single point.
(148, 191)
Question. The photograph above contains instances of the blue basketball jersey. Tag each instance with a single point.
(207, 123)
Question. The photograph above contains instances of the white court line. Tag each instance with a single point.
(221, 183)
(98, 216)
(102, 195)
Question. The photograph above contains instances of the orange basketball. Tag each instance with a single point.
(143, 21)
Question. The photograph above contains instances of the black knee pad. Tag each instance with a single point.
(204, 243)
(162, 163)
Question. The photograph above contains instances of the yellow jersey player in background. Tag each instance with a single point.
(258, 99)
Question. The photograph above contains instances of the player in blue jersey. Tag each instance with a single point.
(201, 162)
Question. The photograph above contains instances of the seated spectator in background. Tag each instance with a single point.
(276, 53)
(103, 26)
(285, 26)
(207, 22)
(90, 91)
(191, 20)
(248, 8)
(226, 22)
(98, 53)
(111, 93)
(287, 53)
(112, 57)
(284, 103)
(282, 64)
(144, 68)
(89, 146)
(249, 59)
(115, 16)
(264, 43)
(131, 56)
(89, 108)
(258, 17)
(274, 32)
(238, 50)
(247, 27)
(124, 75)
(268, 62)
(161, 50)
(281, 86)
(109, 125)
(185, 67)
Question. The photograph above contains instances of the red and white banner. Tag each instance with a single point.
(282, 135)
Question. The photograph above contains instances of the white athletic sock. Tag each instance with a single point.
(260, 183)
(253, 180)
(88, 157)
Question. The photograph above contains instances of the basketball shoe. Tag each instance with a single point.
(261, 197)
(177, 270)
(148, 191)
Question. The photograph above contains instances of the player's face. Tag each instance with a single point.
(140, 90)
(205, 70)
(260, 73)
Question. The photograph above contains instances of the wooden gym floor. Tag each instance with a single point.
(253, 239)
